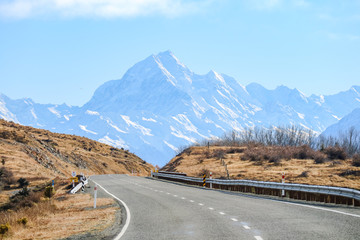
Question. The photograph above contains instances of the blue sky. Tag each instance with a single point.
(57, 51)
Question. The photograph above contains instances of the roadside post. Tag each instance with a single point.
(283, 181)
(73, 174)
(210, 179)
(95, 193)
(204, 181)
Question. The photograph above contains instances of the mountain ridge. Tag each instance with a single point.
(160, 105)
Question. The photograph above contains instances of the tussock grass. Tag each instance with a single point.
(266, 163)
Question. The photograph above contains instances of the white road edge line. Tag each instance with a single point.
(324, 209)
(128, 215)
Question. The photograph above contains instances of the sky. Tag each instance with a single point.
(61, 51)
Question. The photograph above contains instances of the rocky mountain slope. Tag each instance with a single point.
(160, 105)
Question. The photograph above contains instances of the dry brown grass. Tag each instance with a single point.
(40, 156)
(62, 216)
(326, 173)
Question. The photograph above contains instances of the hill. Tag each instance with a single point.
(39, 155)
(30, 158)
(301, 164)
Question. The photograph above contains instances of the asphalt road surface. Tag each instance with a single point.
(166, 210)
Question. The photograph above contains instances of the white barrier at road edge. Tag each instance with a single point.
(128, 216)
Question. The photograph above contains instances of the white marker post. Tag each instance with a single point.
(73, 174)
(283, 181)
(210, 178)
(95, 193)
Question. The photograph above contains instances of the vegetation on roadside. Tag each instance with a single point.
(263, 154)
(31, 158)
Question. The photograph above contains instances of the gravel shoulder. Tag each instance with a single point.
(109, 232)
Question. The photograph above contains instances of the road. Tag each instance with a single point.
(165, 210)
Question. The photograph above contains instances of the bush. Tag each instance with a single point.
(49, 192)
(6, 176)
(304, 174)
(349, 172)
(319, 157)
(219, 153)
(356, 160)
(23, 182)
(22, 221)
(335, 153)
(4, 228)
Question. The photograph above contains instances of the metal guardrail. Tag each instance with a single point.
(78, 187)
(335, 191)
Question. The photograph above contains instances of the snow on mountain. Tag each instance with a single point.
(347, 122)
(160, 105)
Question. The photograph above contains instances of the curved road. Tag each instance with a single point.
(165, 210)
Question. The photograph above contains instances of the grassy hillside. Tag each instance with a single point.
(38, 155)
(30, 158)
(255, 162)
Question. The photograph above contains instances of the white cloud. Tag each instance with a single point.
(98, 8)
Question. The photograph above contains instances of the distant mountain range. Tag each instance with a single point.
(160, 105)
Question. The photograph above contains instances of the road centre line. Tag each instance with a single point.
(210, 208)
(222, 213)
(258, 238)
(234, 219)
(246, 227)
(201, 204)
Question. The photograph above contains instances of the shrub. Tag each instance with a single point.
(22, 221)
(23, 182)
(6, 176)
(275, 159)
(49, 192)
(219, 153)
(349, 172)
(4, 228)
(207, 154)
(356, 160)
(304, 174)
(335, 153)
(24, 192)
(319, 157)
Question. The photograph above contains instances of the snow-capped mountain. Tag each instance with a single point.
(352, 120)
(160, 105)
